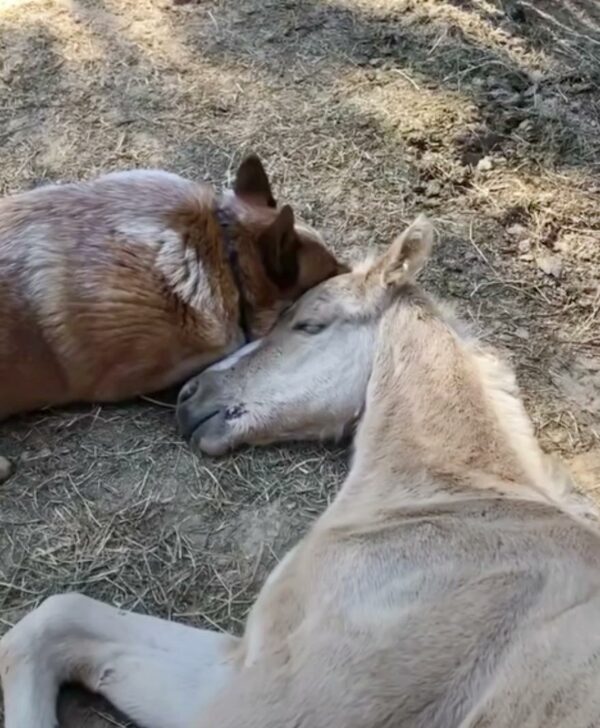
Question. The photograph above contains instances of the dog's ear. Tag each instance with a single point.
(252, 184)
(279, 248)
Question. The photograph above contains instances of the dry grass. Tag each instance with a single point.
(136, 519)
(485, 114)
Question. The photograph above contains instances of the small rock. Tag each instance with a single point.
(522, 333)
(433, 188)
(557, 435)
(580, 88)
(6, 469)
(455, 288)
(590, 363)
(29, 455)
(524, 246)
(586, 469)
(516, 231)
(485, 164)
(536, 76)
(562, 246)
(526, 126)
(551, 265)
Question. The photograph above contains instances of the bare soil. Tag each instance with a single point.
(483, 113)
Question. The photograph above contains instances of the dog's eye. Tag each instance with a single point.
(309, 327)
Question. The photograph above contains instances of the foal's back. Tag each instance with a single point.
(478, 612)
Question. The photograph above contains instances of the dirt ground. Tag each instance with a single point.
(483, 113)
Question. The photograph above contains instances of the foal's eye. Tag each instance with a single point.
(309, 327)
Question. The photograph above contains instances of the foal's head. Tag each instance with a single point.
(307, 379)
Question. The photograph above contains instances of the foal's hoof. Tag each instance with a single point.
(6, 469)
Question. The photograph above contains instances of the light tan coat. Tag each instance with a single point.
(454, 581)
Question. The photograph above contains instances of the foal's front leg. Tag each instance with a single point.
(158, 673)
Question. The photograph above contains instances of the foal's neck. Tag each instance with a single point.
(442, 416)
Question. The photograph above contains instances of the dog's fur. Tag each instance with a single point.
(136, 280)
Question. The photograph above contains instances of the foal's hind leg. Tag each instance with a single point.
(158, 673)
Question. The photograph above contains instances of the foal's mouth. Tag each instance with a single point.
(192, 419)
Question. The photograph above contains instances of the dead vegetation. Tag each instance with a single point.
(483, 113)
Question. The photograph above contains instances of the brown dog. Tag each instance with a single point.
(134, 281)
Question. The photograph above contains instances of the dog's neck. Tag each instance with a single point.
(227, 221)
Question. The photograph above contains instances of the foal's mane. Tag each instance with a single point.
(547, 475)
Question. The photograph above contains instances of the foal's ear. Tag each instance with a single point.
(407, 254)
(279, 249)
(252, 184)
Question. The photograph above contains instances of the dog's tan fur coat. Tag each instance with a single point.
(122, 285)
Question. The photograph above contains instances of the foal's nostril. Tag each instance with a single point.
(233, 413)
(190, 418)
(187, 391)
(200, 405)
